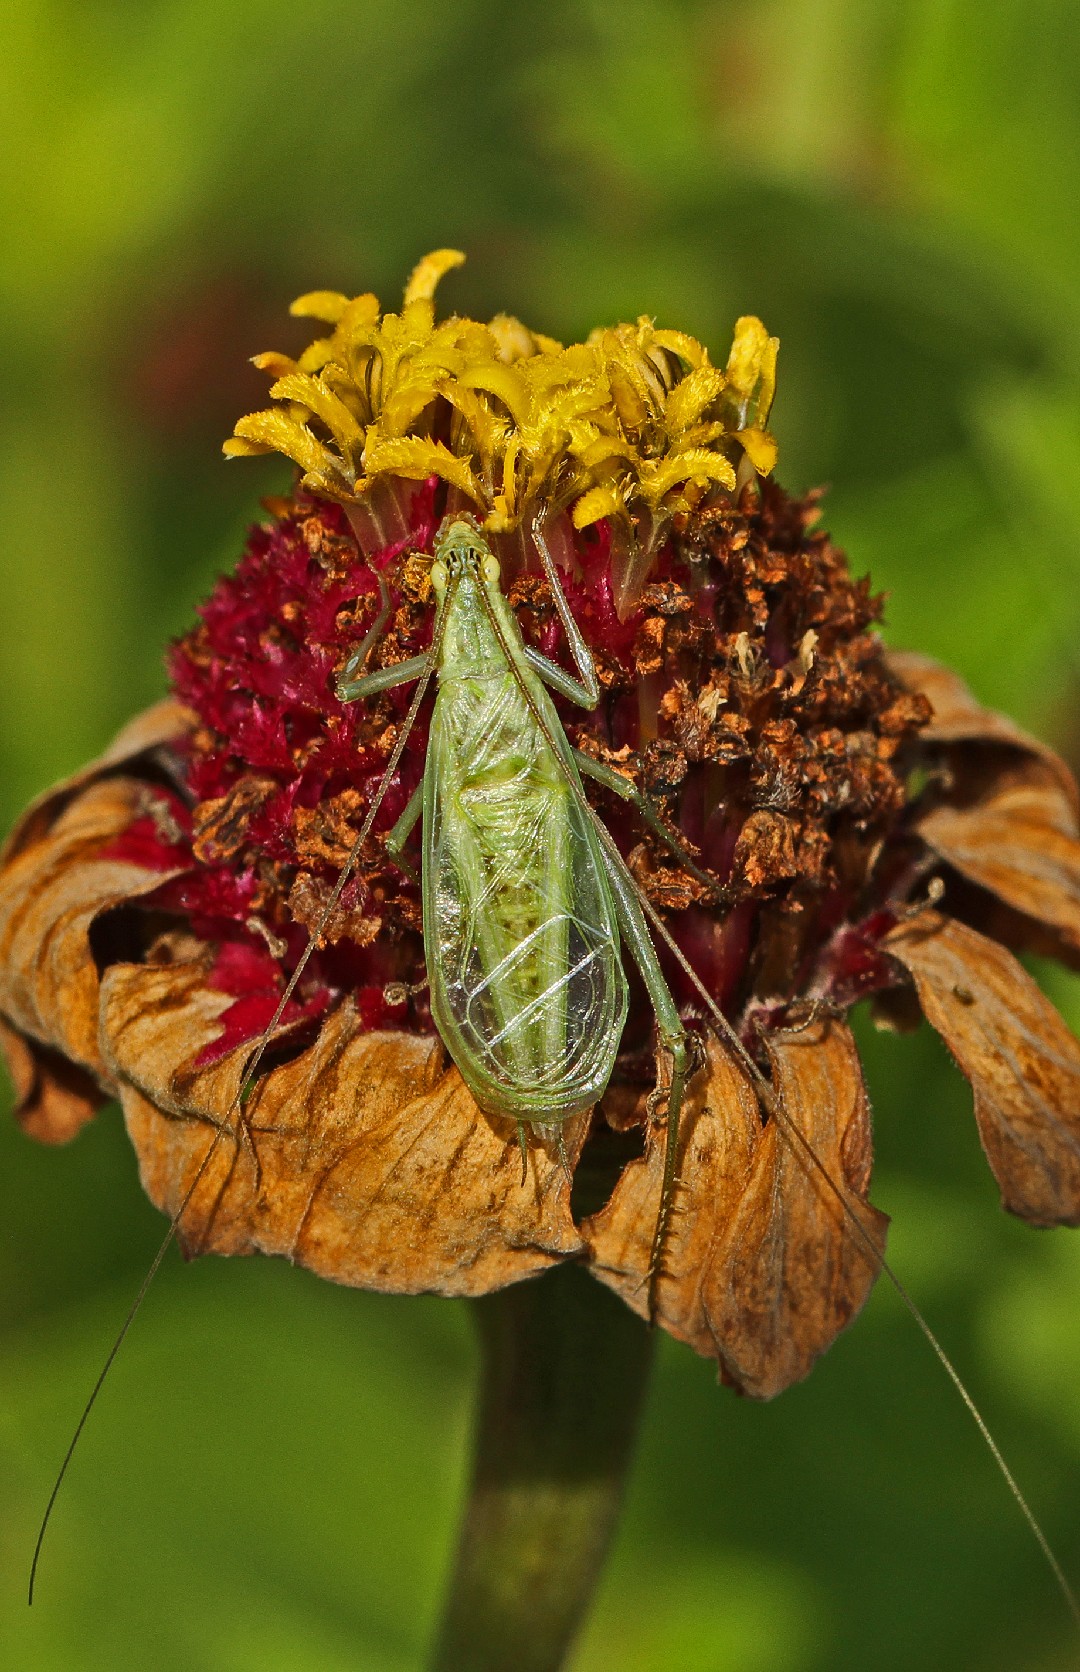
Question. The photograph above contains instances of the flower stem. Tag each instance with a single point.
(564, 1366)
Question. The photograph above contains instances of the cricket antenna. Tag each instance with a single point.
(812, 1162)
(246, 1078)
(121, 1334)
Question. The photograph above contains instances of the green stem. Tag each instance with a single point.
(564, 1366)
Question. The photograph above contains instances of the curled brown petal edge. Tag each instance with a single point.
(1009, 824)
(1012, 845)
(157, 727)
(54, 1098)
(1021, 1060)
(959, 717)
(54, 884)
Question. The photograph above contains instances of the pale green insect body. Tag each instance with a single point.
(520, 927)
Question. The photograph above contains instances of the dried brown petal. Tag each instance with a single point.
(765, 851)
(375, 1167)
(53, 1099)
(959, 718)
(762, 1267)
(220, 826)
(1022, 1061)
(1018, 841)
(57, 882)
(155, 728)
(799, 1271)
(327, 832)
(720, 1130)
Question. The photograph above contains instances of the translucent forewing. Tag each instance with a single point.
(521, 936)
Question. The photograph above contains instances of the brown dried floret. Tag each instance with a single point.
(220, 826)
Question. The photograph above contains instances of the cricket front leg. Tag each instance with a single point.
(395, 838)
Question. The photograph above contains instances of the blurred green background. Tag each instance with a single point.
(270, 1482)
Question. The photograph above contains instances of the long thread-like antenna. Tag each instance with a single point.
(812, 1162)
(121, 1333)
(246, 1078)
(804, 1150)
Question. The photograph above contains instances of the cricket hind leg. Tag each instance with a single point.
(672, 1037)
(627, 791)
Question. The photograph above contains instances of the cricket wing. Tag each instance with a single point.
(521, 937)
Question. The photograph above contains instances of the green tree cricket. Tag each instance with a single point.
(523, 904)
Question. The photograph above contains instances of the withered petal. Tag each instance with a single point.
(1019, 842)
(799, 1271)
(960, 718)
(155, 728)
(374, 1166)
(720, 1131)
(53, 1099)
(56, 882)
(1021, 1059)
(762, 1268)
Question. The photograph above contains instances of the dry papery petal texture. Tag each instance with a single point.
(1021, 1059)
(368, 1161)
(1007, 820)
(761, 1268)
(153, 908)
(58, 878)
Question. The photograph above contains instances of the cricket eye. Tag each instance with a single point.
(438, 576)
(489, 568)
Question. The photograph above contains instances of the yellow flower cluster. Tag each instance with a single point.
(634, 424)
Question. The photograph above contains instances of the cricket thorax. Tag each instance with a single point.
(470, 647)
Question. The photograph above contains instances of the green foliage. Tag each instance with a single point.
(270, 1481)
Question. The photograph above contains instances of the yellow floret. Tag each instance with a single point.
(633, 425)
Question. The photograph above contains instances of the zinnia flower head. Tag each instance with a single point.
(852, 826)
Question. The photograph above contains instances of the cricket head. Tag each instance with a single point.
(459, 550)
